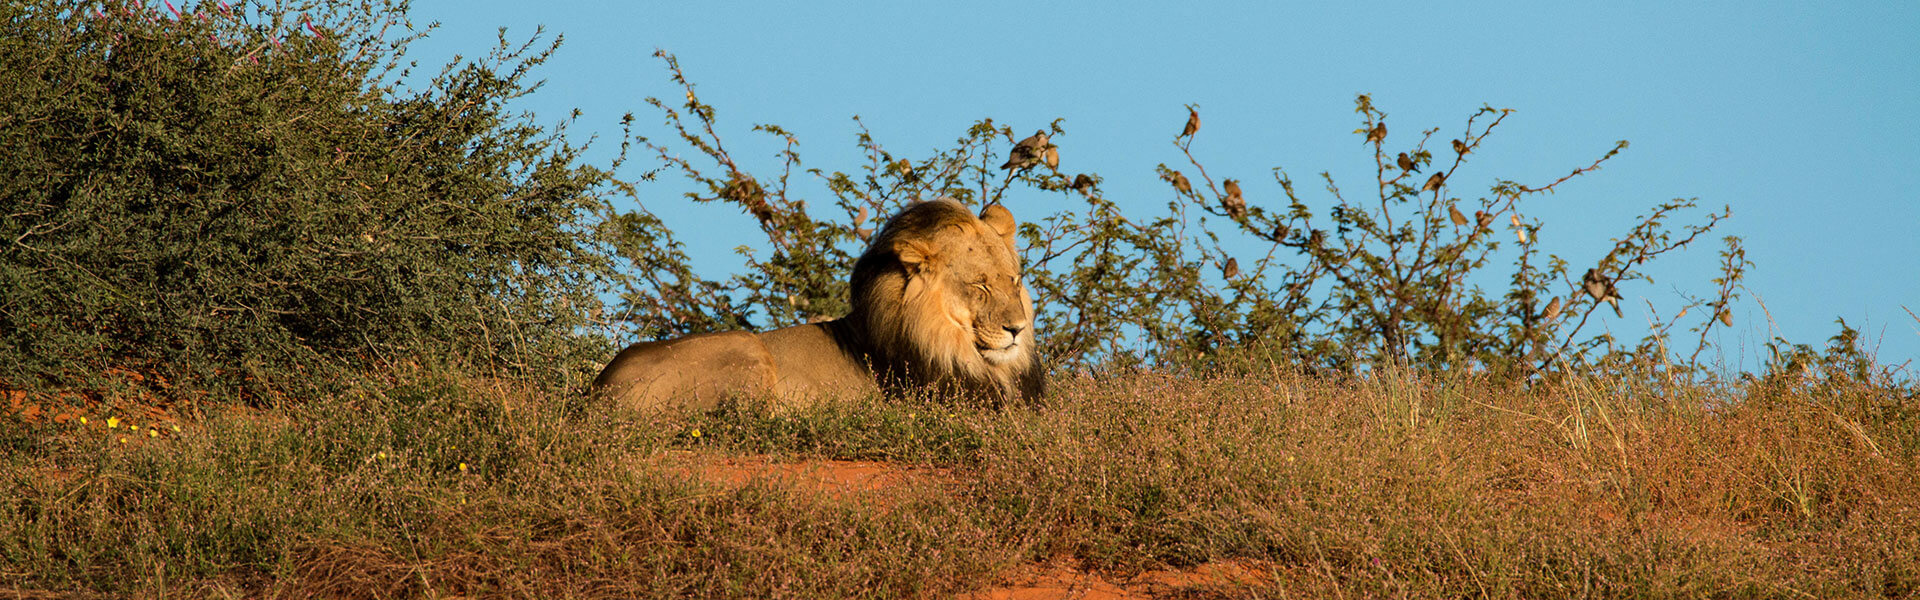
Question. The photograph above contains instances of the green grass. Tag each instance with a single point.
(1390, 486)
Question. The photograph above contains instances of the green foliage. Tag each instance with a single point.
(244, 197)
(1393, 278)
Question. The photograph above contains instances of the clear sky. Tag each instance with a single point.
(1803, 117)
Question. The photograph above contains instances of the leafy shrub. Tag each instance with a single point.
(1389, 279)
(236, 195)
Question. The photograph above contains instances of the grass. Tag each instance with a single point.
(1390, 485)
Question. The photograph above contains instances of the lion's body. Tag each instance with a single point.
(937, 306)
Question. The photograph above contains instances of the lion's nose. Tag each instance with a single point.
(1014, 330)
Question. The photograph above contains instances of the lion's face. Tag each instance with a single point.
(956, 301)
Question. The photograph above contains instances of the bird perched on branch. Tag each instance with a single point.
(1236, 206)
(1453, 212)
(1406, 163)
(1460, 148)
(1231, 269)
(1051, 156)
(1602, 289)
(1433, 183)
(1553, 311)
(1193, 123)
(1180, 183)
(1027, 153)
(1083, 183)
(1377, 134)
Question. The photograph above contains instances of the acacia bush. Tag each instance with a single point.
(246, 196)
(1394, 278)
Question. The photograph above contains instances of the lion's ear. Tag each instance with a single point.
(998, 218)
(915, 255)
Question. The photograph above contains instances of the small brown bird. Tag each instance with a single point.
(1027, 153)
(1279, 232)
(1084, 183)
(1553, 311)
(1231, 269)
(1236, 205)
(1433, 183)
(1460, 148)
(1193, 123)
(1482, 217)
(1406, 163)
(1378, 133)
(1453, 212)
(1180, 183)
(1051, 156)
(1602, 289)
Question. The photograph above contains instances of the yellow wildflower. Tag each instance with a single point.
(382, 455)
(176, 428)
(113, 422)
(123, 439)
(83, 420)
(695, 433)
(153, 433)
(463, 467)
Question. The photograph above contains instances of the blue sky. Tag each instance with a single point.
(1803, 117)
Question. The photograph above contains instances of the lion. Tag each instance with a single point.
(938, 304)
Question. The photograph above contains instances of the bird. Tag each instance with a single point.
(1406, 163)
(1602, 288)
(1377, 134)
(1553, 311)
(1193, 123)
(1051, 156)
(1084, 183)
(1236, 206)
(1433, 183)
(1231, 269)
(1026, 154)
(1180, 183)
(1453, 212)
(1460, 148)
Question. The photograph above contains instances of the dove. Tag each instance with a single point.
(1601, 288)
(1180, 183)
(1377, 134)
(1027, 153)
(1084, 183)
(1235, 205)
